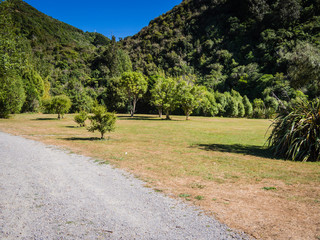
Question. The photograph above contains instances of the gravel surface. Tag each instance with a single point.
(47, 193)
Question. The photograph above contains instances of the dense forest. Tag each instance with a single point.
(245, 45)
(210, 57)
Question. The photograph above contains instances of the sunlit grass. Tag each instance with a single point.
(210, 148)
(219, 164)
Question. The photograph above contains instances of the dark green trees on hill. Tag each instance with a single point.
(12, 95)
(233, 44)
(243, 55)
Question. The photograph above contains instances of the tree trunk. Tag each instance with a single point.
(102, 135)
(187, 113)
(133, 110)
(59, 117)
(168, 116)
(160, 112)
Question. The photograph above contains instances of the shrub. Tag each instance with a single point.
(241, 109)
(258, 108)
(231, 109)
(247, 106)
(60, 105)
(81, 118)
(102, 121)
(296, 132)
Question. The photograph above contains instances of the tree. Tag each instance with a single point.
(258, 108)
(60, 105)
(81, 118)
(164, 95)
(190, 96)
(102, 121)
(304, 65)
(209, 105)
(247, 106)
(34, 90)
(231, 108)
(12, 94)
(134, 85)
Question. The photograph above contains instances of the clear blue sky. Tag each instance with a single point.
(121, 18)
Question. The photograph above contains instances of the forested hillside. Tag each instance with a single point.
(210, 57)
(252, 46)
(49, 58)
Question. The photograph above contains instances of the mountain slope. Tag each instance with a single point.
(76, 63)
(230, 44)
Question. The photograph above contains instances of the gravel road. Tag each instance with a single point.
(47, 193)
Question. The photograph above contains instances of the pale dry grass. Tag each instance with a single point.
(220, 159)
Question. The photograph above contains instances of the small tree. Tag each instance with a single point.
(241, 109)
(164, 95)
(134, 85)
(190, 96)
(11, 95)
(209, 105)
(258, 108)
(247, 106)
(232, 107)
(102, 121)
(81, 118)
(60, 105)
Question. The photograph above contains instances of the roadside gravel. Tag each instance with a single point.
(47, 193)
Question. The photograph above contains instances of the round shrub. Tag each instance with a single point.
(81, 118)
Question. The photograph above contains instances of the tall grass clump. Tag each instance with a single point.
(296, 132)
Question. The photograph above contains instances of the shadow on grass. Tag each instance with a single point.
(72, 127)
(257, 151)
(44, 119)
(145, 118)
(83, 139)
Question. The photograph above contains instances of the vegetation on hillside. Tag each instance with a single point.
(258, 48)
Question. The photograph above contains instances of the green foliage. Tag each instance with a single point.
(190, 96)
(102, 120)
(232, 44)
(260, 49)
(164, 95)
(11, 95)
(209, 105)
(247, 106)
(34, 90)
(81, 118)
(258, 108)
(304, 66)
(296, 132)
(60, 105)
(134, 85)
(232, 106)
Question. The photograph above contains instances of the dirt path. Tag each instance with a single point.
(49, 194)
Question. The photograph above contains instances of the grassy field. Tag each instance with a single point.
(219, 164)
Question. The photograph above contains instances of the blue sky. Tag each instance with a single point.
(110, 17)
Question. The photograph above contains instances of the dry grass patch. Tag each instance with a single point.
(219, 164)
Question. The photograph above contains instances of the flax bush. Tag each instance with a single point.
(296, 132)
